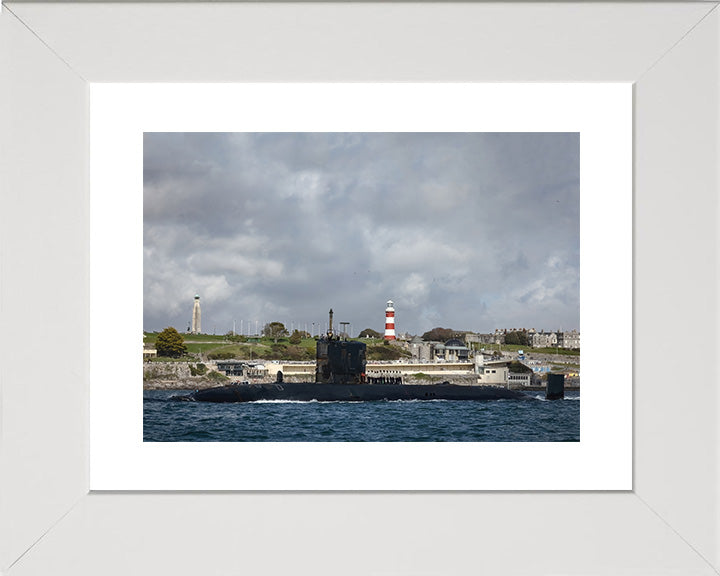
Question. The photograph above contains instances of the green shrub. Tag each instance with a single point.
(235, 338)
(198, 370)
(298, 353)
(216, 376)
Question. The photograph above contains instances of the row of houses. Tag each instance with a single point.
(537, 339)
(543, 339)
(456, 350)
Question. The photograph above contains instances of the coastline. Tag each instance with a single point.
(185, 376)
(192, 384)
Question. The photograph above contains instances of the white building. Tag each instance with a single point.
(491, 373)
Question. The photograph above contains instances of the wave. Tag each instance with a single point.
(384, 400)
(414, 400)
(179, 398)
(282, 402)
(542, 398)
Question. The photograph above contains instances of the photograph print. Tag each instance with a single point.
(361, 287)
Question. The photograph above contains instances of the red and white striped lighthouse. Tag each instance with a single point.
(390, 321)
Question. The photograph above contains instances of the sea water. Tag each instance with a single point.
(166, 419)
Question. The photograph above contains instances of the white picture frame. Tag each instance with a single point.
(668, 523)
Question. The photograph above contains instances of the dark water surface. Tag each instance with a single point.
(531, 420)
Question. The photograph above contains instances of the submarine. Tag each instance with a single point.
(340, 376)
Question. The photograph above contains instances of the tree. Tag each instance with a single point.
(170, 343)
(438, 335)
(517, 337)
(275, 330)
(370, 333)
(295, 338)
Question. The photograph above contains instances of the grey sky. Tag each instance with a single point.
(465, 231)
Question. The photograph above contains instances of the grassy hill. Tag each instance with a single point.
(224, 347)
(527, 349)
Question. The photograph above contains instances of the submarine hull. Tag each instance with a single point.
(325, 392)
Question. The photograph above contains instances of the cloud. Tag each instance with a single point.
(471, 231)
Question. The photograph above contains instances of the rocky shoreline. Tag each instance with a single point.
(180, 376)
(177, 378)
(188, 376)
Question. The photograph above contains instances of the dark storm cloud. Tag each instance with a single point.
(470, 231)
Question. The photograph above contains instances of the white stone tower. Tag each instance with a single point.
(196, 316)
(390, 321)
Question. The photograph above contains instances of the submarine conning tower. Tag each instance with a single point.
(339, 361)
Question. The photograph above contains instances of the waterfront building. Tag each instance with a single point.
(242, 368)
(420, 350)
(195, 329)
(517, 380)
(149, 351)
(231, 367)
(452, 351)
(492, 374)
